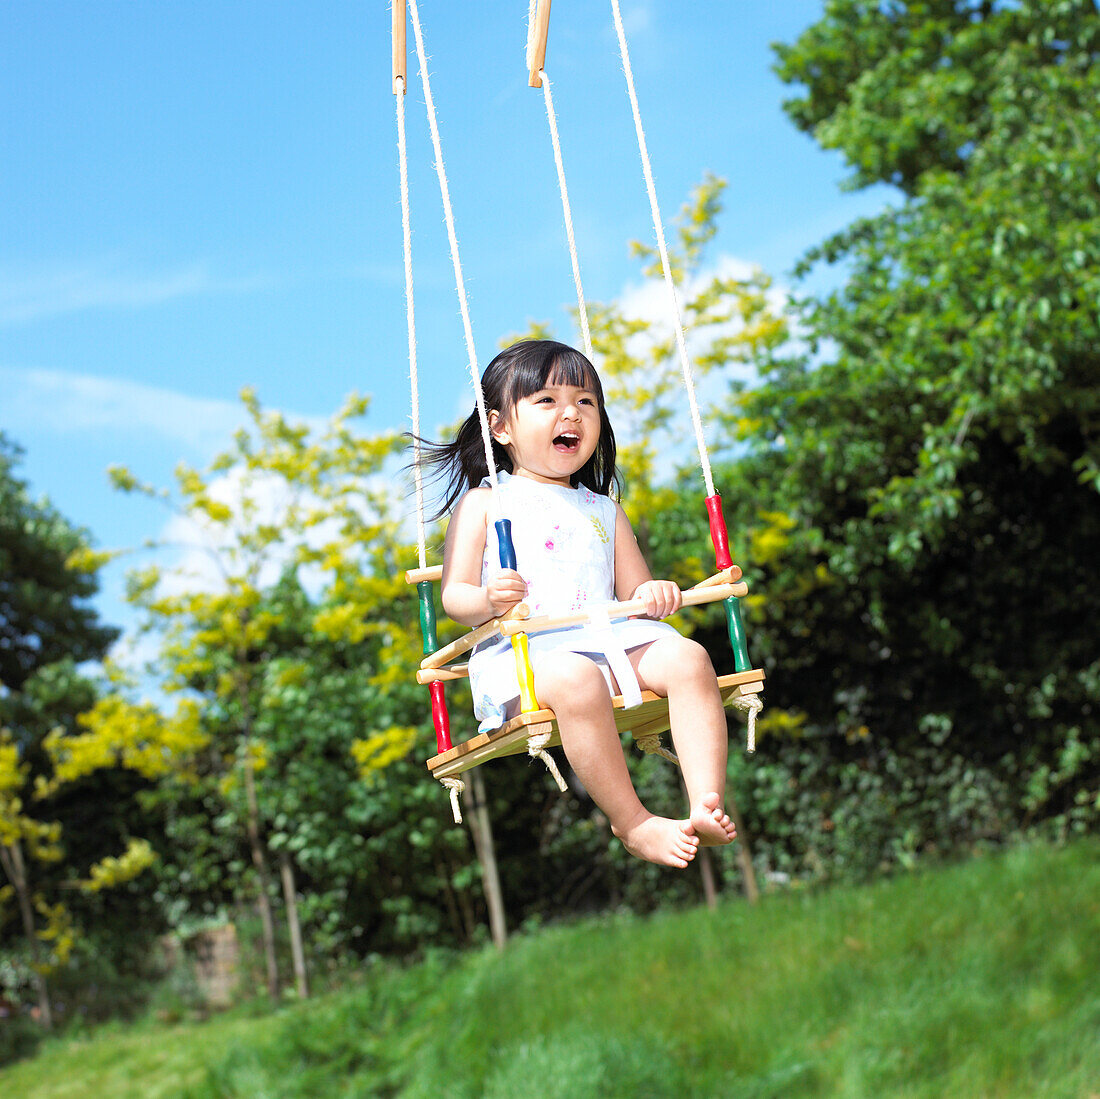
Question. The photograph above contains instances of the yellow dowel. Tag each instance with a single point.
(527, 701)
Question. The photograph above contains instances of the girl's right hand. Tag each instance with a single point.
(505, 590)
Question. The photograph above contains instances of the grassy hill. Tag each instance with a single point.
(979, 979)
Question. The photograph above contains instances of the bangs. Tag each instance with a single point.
(575, 370)
(551, 363)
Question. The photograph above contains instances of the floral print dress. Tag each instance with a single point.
(565, 549)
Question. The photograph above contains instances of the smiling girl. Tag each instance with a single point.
(555, 451)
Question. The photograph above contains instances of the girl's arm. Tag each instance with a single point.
(464, 599)
(633, 580)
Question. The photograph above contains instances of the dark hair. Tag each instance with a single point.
(517, 372)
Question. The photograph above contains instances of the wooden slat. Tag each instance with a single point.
(511, 737)
(539, 32)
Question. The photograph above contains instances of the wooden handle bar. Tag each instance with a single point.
(434, 573)
(692, 597)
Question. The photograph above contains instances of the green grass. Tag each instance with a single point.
(981, 979)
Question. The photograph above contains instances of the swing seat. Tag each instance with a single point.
(644, 723)
(648, 719)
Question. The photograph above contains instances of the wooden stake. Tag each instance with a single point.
(431, 572)
(536, 51)
(400, 77)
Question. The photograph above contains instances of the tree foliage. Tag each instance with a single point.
(65, 834)
(936, 446)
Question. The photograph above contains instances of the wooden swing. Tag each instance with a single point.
(534, 729)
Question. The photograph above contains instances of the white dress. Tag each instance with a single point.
(565, 549)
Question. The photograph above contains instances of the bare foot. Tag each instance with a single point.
(660, 839)
(713, 827)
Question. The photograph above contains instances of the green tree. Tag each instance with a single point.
(62, 838)
(935, 448)
(281, 507)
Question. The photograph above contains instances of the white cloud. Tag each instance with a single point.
(31, 294)
(69, 403)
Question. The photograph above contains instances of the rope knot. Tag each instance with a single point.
(650, 743)
(750, 706)
(536, 749)
(456, 786)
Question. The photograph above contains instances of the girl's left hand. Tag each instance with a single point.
(661, 597)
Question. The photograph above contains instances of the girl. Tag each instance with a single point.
(555, 450)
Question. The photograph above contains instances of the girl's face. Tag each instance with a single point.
(552, 433)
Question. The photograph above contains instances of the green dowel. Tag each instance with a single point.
(427, 616)
(737, 635)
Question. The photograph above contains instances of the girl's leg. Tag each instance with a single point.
(574, 688)
(681, 670)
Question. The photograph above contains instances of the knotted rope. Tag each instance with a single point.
(750, 706)
(651, 744)
(456, 786)
(536, 749)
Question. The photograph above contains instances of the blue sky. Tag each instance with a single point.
(201, 196)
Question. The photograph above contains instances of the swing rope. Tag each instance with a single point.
(582, 309)
(536, 749)
(652, 746)
(410, 315)
(460, 286)
(454, 786)
(666, 267)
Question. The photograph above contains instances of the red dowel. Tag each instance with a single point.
(440, 717)
(718, 533)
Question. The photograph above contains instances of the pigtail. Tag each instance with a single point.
(460, 463)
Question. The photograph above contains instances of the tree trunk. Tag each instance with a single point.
(11, 858)
(482, 831)
(744, 852)
(259, 861)
(301, 982)
(706, 871)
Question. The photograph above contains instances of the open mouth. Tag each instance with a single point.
(567, 442)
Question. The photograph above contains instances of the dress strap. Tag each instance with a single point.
(616, 657)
